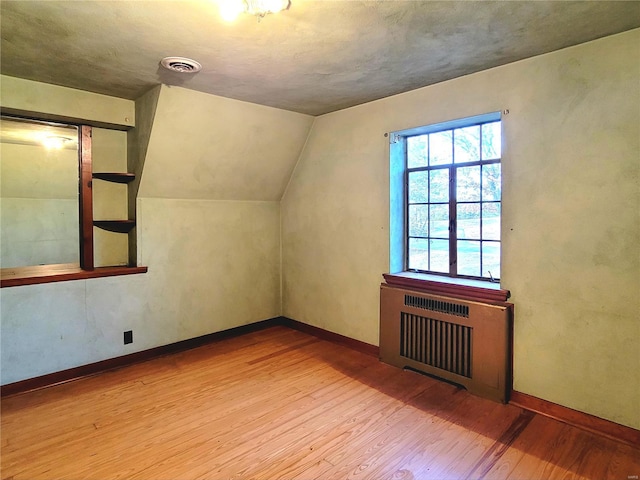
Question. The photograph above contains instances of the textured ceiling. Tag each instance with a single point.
(315, 58)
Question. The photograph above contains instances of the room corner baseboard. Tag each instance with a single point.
(352, 343)
(91, 369)
(585, 421)
(96, 368)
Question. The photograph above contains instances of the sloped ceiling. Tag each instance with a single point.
(317, 57)
(203, 146)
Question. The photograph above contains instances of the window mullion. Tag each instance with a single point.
(481, 210)
(453, 251)
(428, 212)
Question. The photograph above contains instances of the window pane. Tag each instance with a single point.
(418, 187)
(441, 150)
(417, 151)
(439, 185)
(491, 141)
(468, 258)
(418, 254)
(468, 221)
(466, 144)
(439, 221)
(491, 259)
(491, 182)
(468, 184)
(418, 220)
(491, 221)
(439, 256)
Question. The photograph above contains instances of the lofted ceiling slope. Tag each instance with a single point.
(210, 147)
(317, 57)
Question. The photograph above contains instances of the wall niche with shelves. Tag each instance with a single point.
(100, 190)
(110, 181)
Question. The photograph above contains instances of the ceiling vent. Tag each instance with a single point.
(181, 64)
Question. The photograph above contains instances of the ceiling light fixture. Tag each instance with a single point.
(230, 9)
(55, 142)
(180, 64)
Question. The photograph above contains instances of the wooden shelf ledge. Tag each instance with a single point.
(118, 226)
(115, 177)
(491, 293)
(18, 276)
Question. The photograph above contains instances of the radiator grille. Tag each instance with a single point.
(451, 308)
(434, 342)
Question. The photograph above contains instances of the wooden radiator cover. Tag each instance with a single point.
(464, 342)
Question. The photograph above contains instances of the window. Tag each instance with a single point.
(452, 186)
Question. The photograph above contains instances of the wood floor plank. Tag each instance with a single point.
(625, 463)
(281, 404)
(290, 425)
(268, 423)
(186, 419)
(594, 462)
(476, 429)
(384, 456)
(344, 429)
(531, 447)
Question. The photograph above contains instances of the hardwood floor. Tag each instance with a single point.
(280, 404)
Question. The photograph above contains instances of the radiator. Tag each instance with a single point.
(464, 342)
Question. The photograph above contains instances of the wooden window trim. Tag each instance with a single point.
(446, 288)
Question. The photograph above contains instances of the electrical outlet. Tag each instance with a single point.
(128, 337)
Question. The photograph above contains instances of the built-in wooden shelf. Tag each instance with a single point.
(114, 177)
(118, 226)
(18, 276)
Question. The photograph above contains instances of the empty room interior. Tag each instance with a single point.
(272, 239)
